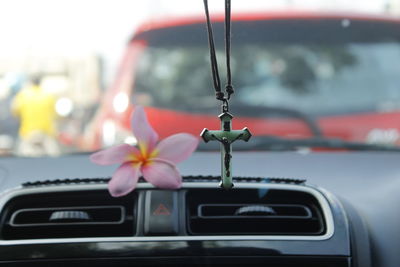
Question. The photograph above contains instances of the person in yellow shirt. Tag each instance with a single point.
(36, 111)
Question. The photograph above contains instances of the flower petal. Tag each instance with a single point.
(177, 147)
(113, 155)
(142, 130)
(124, 180)
(162, 174)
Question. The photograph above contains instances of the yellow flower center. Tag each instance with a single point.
(144, 158)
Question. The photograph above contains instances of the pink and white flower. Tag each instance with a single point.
(154, 161)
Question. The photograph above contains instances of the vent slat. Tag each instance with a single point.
(238, 211)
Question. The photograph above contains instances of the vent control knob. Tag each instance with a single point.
(255, 210)
(69, 215)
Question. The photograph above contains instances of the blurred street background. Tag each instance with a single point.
(76, 47)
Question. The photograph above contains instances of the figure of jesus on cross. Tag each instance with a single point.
(226, 136)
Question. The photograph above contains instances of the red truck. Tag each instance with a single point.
(296, 75)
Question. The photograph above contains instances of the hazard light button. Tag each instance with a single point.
(161, 213)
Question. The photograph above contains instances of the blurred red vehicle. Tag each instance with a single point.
(297, 75)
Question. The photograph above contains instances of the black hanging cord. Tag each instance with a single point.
(213, 58)
(229, 88)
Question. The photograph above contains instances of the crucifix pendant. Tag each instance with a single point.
(226, 136)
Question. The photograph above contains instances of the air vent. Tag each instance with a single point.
(68, 214)
(253, 211)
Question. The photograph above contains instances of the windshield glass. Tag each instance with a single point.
(319, 80)
(323, 74)
(336, 81)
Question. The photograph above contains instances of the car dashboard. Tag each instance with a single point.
(262, 221)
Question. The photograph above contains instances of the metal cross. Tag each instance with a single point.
(226, 137)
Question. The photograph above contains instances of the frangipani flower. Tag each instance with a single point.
(155, 161)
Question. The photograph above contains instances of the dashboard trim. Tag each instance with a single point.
(326, 210)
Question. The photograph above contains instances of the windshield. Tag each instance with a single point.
(321, 75)
(336, 81)
(317, 79)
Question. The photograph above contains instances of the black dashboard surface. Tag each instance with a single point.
(370, 181)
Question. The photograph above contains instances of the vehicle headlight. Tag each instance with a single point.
(120, 102)
(112, 134)
(130, 140)
(108, 133)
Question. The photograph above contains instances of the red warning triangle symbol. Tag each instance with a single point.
(161, 210)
